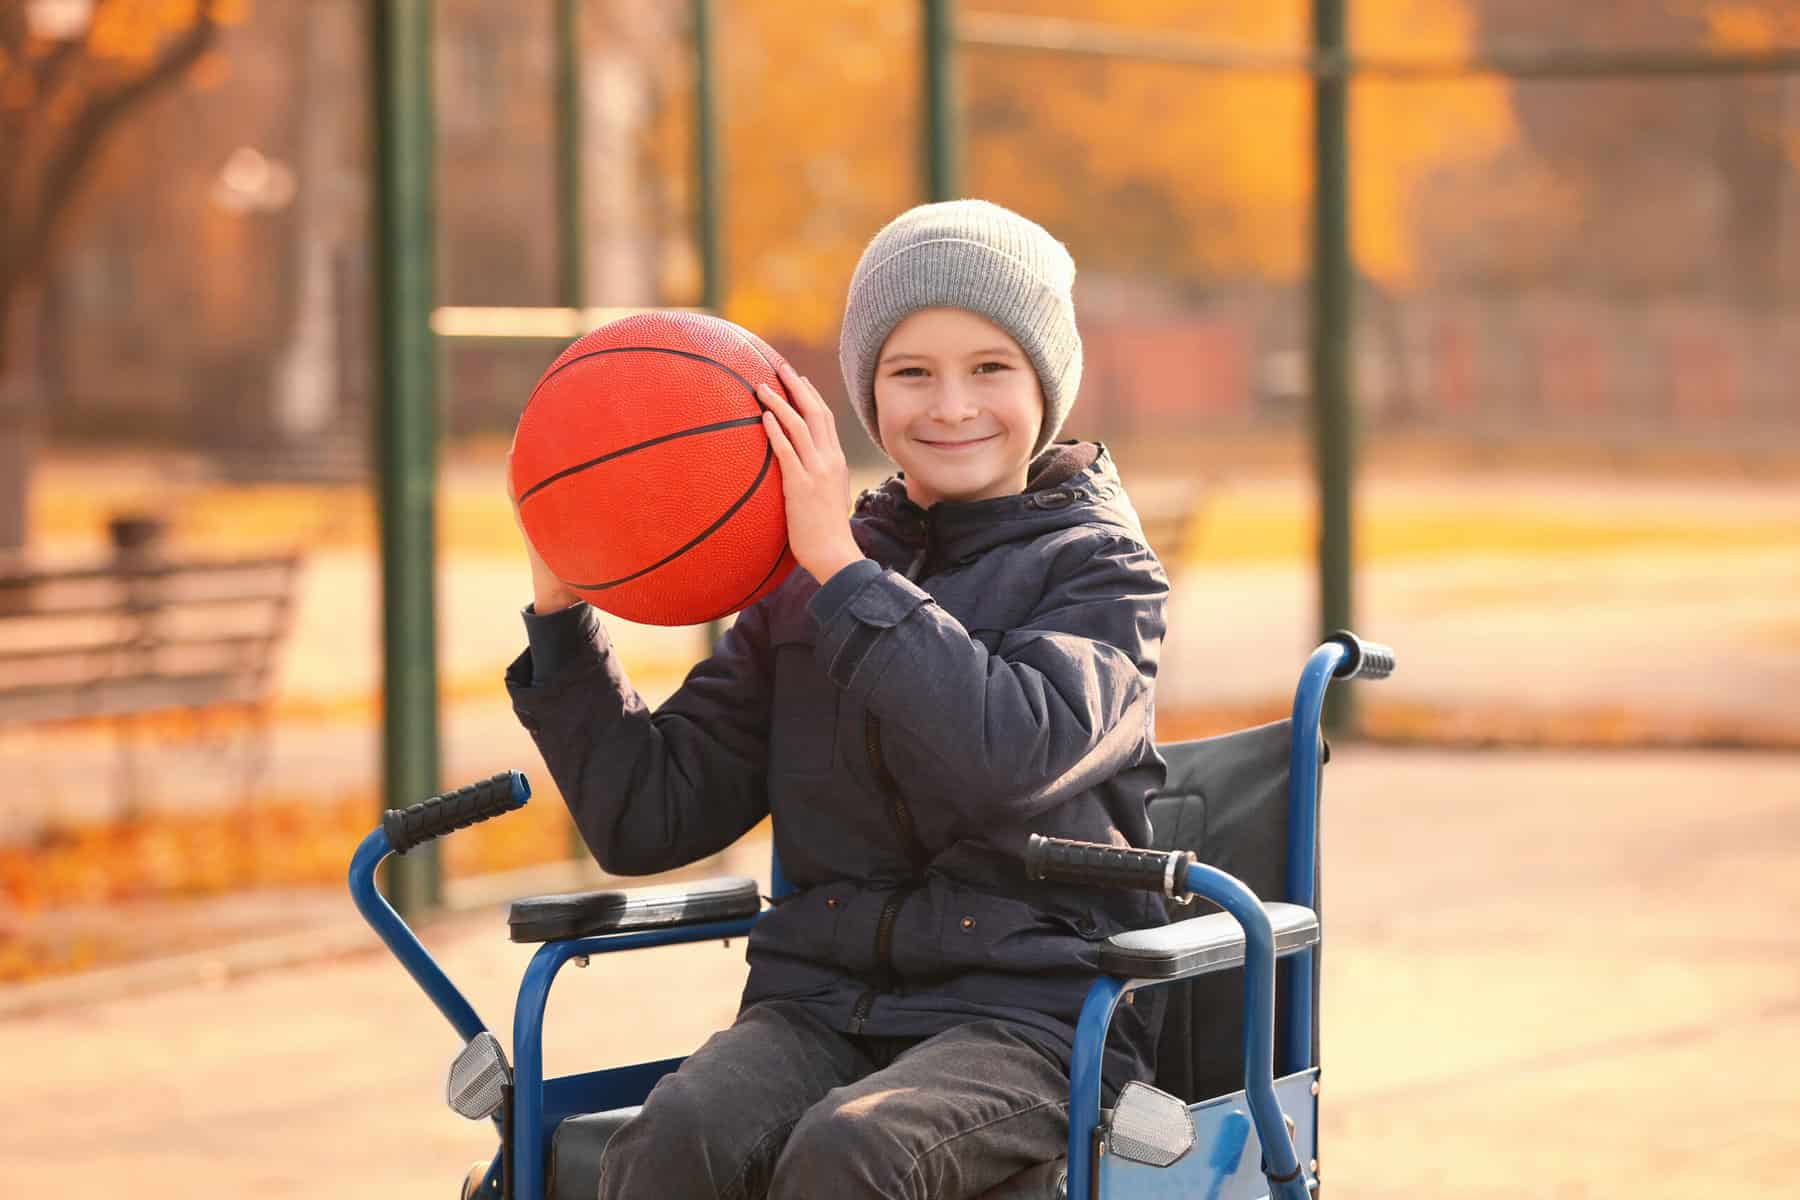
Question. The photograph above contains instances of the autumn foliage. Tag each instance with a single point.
(1143, 168)
(67, 83)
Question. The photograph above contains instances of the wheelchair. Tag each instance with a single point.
(1233, 1111)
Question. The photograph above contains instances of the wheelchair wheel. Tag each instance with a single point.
(471, 1184)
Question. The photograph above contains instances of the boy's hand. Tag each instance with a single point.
(548, 593)
(814, 476)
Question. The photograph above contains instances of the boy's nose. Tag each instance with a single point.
(951, 403)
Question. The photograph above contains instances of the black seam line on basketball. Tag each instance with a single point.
(734, 423)
(748, 386)
(759, 583)
(780, 386)
(768, 457)
(756, 350)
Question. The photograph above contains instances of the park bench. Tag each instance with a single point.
(143, 634)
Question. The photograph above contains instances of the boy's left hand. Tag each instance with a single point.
(815, 479)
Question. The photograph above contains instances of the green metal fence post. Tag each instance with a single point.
(406, 422)
(942, 178)
(1333, 418)
(708, 218)
(570, 227)
(707, 215)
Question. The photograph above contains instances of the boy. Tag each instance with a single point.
(967, 660)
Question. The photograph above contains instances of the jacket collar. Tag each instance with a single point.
(1070, 483)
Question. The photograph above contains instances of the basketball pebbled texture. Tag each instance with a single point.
(644, 477)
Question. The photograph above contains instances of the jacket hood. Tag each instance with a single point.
(1069, 484)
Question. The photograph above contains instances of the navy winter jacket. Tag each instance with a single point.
(985, 674)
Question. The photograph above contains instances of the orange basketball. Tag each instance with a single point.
(643, 474)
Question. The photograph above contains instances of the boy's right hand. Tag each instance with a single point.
(549, 594)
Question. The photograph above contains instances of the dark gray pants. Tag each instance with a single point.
(779, 1105)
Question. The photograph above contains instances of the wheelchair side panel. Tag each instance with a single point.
(1226, 1161)
(599, 1091)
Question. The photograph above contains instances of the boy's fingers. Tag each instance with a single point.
(811, 405)
(805, 399)
(792, 423)
(827, 433)
(784, 450)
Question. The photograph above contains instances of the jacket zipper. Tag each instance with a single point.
(901, 815)
(884, 950)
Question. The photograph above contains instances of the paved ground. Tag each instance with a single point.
(1549, 974)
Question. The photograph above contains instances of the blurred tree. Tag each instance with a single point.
(1206, 176)
(1763, 142)
(72, 72)
(1628, 187)
(1145, 169)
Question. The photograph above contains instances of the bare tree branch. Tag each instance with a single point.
(12, 122)
(17, 128)
(48, 76)
(86, 134)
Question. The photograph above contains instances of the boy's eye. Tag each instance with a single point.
(908, 372)
(988, 368)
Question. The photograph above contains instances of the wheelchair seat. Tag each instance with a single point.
(580, 1142)
(576, 1149)
(1225, 799)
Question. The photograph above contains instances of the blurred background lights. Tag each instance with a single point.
(251, 181)
(58, 20)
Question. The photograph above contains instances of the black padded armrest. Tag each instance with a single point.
(582, 914)
(1201, 945)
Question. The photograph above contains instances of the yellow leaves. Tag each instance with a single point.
(1141, 167)
(1221, 162)
(1750, 27)
(1754, 28)
(133, 31)
(277, 842)
(124, 36)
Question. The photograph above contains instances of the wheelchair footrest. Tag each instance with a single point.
(1201, 945)
(584, 914)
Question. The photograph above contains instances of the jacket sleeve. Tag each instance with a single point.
(651, 791)
(1063, 703)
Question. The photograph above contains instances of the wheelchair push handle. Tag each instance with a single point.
(1061, 860)
(1363, 659)
(446, 813)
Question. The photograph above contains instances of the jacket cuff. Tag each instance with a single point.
(558, 639)
(830, 599)
(858, 631)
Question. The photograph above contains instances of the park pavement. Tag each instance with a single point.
(1548, 974)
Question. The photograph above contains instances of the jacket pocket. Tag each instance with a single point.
(804, 712)
(978, 931)
(804, 926)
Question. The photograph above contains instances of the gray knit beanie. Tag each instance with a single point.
(977, 256)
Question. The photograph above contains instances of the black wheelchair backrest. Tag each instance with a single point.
(1225, 799)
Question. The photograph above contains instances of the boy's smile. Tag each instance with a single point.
(959, 406)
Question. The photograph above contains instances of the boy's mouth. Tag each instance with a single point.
(956, 446)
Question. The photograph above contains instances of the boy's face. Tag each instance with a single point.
(958, 405)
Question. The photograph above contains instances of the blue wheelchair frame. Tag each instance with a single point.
(538, 1105)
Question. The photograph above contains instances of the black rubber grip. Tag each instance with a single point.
(1063, 861)
(1366, 660)
(407, 827)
